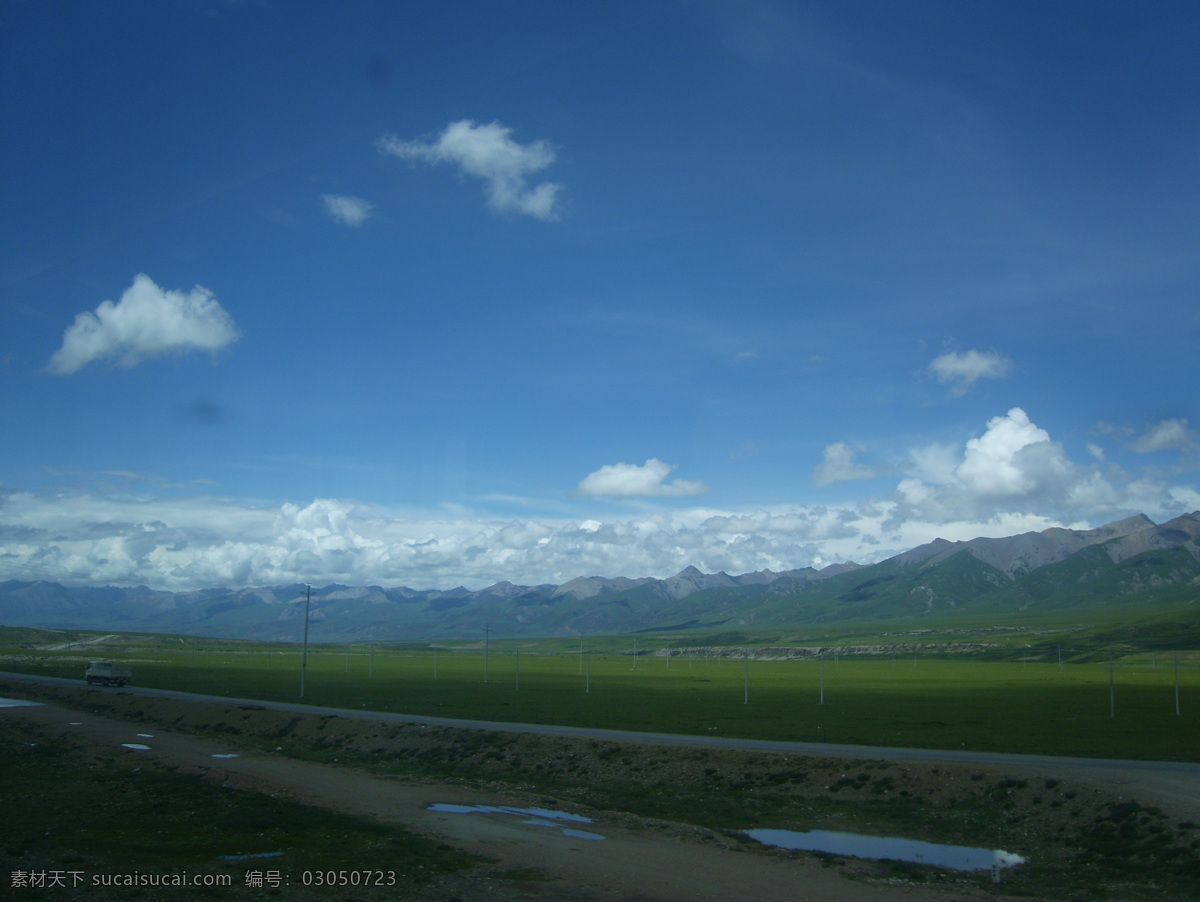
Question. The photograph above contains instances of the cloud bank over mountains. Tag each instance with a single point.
(1011, 478)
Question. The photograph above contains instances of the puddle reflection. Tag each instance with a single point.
(887, 848)
(533, 817)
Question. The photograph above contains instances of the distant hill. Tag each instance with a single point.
(1129, 562)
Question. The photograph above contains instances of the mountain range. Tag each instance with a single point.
(1130, 563)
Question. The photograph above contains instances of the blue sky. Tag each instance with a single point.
(440, 293)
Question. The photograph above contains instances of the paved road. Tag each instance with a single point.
(1189, 771)
(64, 645)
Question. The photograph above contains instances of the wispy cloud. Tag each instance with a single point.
(1168, 435)
(147, 322)
(630, 480)
(839, 465)
(962, 371)
(350, 211)
(489, 153)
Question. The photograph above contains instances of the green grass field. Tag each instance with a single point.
(944, 702)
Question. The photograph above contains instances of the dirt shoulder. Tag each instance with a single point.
(624, 860)
(383, 771)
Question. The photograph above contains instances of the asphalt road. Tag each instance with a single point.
(1184, 775)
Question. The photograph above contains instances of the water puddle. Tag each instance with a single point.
(533, 817)
(224, 755)
(581, 834)
(887, 848)
(17, 703)
(146, 735)
(135, 745)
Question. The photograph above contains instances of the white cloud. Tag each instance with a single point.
(1168, 435)
(962, 371)
(146, 322)
(350, 211)
(839, 465)
(630, 480)
(934, 463)
(488, 153)
(1012, 458)
(1014, 466)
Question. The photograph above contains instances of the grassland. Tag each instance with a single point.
(948, 690)
(1144, 704)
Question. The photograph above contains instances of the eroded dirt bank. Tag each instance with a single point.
(635, 795)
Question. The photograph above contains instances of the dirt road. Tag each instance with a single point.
(600, 859)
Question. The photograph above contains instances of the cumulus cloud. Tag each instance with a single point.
(839, 465)
(1168, 435)
(147, 322)
(1012, 458)
(630, 480)
(488, 152)
(1013, 466)
(934, 463)
(350, 211)
(962, 371)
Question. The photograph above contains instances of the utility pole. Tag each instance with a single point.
(487, 633)
(1177, 685)
(746, 677)
(304, 655)
(823, 677)
(1112, 692)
